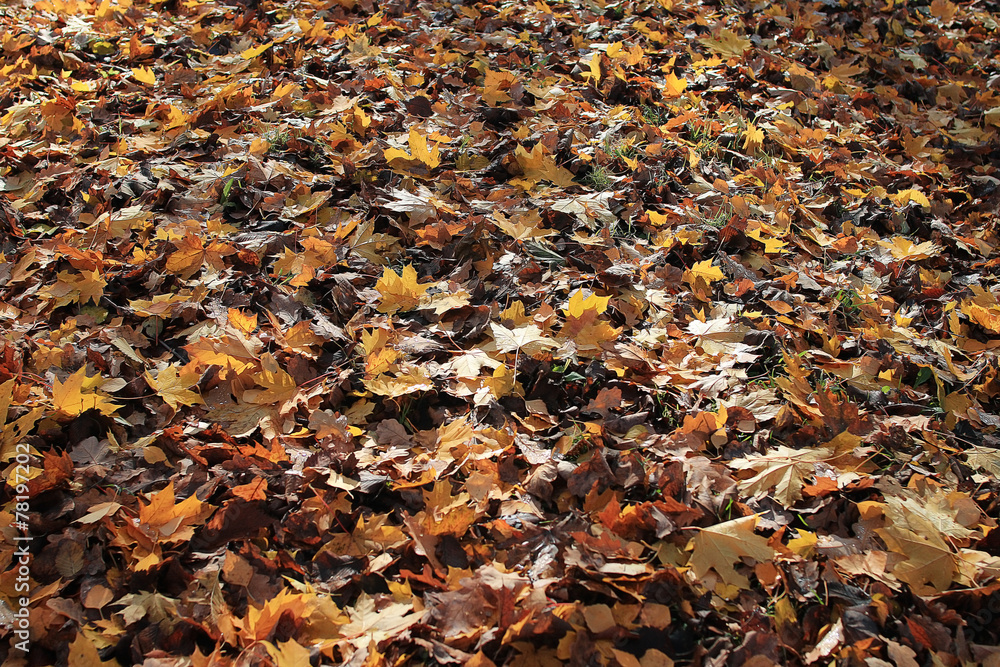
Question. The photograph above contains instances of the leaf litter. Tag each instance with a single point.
(634, 333)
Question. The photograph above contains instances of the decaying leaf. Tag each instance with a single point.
(618, 333)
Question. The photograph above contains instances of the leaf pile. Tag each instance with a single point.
(631, 333)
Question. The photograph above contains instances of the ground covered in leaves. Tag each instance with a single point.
(634, 333)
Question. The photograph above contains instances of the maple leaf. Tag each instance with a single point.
(255, 490)
(930, 564)
(578, 304)
(259, 622)
(289, 653)
(705, 271)
(503, 382)
(83, 653)
(232, 352)
(903, 248)
(727, 43)
(903, 197)
(254, 52)
(782, 469)
(984, 458)
(173, 385)
(373, 624)
(753, 138)
(13, 432)
(418, 151)
(412, 379)
(244, 322)
(673, 86)
(173, 521)
(192, 254)
(528, 338)
(771, 244)
(537, 166)
(495, 87)
(144, 75)
(279, 386)
(723, 544)
(161, 305)
(80, 393)
(988, 318)
(84, 287)
(523, 227)
(399, 292)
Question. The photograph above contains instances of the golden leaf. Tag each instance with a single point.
(13, 432)
(250, 54)
(144, 75)
(753, 138)
(674, 87)
(173, 386)
(705, 271)
(399, 292)
(279, 386)
(79, 394)
(418, 151)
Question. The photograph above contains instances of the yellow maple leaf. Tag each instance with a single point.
(727, 43)
(595, 67)
(173, 386)
(399, 292)
(289, 653)
(83, 653)
(522, 226)
(632, 55)
(904, 197)
(587, 333)
(988, 318)
(162, 305)
(578, 304)
(674, 87)
(250, 54)
(503, 381)
(903, 248)
(413, 380)
(279, 386)
(418, 150)
(144, 75)
(301, 339)
(12, 432)
(79, 394)
(234, 353)
(539, 166)
(705, 271)
(753, 138)
(771, 245)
